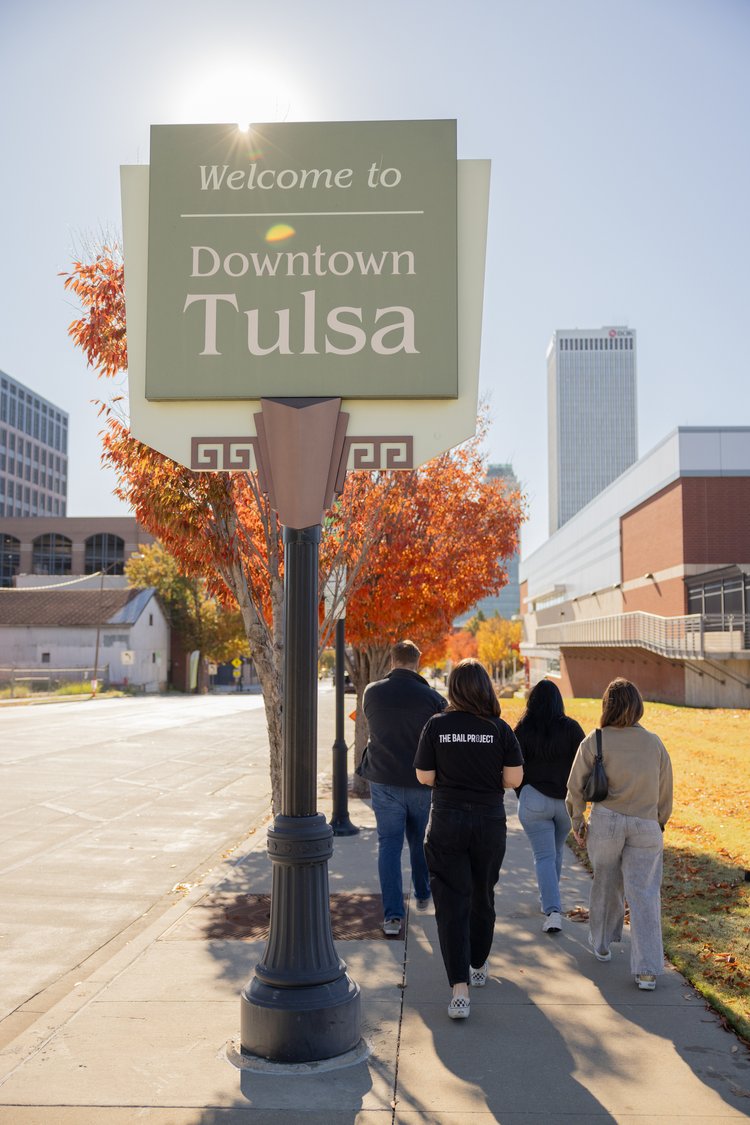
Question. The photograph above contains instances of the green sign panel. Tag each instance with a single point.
(297, 260)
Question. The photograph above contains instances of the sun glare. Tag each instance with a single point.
(242, 93)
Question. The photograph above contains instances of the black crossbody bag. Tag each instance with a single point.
(597, 786)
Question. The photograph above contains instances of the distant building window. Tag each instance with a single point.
(45, 658)
(104, 552)
(51, 554)
(10, 557)
(720, 599)
(111, 639)
(150, 618)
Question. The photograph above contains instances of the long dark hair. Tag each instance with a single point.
(470, 689)
(540, 722)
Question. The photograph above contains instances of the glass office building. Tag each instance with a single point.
(592, 418)
(507, 603)
(33, 453)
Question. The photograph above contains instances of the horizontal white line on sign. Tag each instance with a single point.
(291, 214)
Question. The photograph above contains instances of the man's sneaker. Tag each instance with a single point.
(392, 927)
(423, 904)
(459, 1008)
(552, 924)
(599, 956)
(646, 981)
(478, 977)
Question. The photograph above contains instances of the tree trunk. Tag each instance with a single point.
(267, 649)
(202, 682)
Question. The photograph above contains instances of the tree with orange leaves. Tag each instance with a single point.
(448, 530)
(461, 645)
(417, 547)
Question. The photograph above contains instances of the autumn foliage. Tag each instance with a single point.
(419, 547)
(461, 645)
(497, 640)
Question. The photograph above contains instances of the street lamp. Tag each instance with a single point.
(336, 605)
(340, 822)
(300, 1005)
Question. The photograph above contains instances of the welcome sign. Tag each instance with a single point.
(298, 260)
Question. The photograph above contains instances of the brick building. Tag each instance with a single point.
(66, 546)
(651, 579)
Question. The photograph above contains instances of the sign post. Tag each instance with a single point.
(274, 277)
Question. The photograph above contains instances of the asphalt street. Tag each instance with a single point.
(107, 806)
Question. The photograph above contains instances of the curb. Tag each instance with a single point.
(35, 1037)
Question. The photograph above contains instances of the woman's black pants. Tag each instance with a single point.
(465, 846)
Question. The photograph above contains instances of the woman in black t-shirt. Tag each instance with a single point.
(469, 756)
(549, 740)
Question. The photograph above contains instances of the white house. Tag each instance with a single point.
(119, 636)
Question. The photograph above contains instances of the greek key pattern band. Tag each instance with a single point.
(227, 454)
(223, 454)
(379, 452)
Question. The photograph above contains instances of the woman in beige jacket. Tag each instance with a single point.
(624, 837)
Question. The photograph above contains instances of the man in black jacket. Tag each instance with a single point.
(396, 709)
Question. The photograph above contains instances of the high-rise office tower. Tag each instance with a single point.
(592, 423)
(33, 453)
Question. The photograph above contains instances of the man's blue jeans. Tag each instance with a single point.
(400, 811)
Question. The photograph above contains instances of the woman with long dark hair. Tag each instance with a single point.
(549, 740)
(625, 831)
(469, 756)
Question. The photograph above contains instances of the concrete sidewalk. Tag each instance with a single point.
(152, 1035)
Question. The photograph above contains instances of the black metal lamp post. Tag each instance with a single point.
(300, 1006)
(340, 822)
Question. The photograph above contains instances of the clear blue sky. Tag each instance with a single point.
(619, 140)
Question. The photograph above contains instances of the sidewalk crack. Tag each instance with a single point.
(402, 986)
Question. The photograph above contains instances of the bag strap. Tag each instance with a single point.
(598, 744)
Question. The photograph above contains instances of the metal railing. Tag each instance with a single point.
(684, 637)
(43, 678)
(672, 636)
(728, 623)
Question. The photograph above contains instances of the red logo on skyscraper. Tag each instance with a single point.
(612, 332)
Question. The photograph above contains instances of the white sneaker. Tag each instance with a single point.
(459, 1008)
(646, 981)
(599, 956)
(478, 977)
(392, 926)
(552, 923)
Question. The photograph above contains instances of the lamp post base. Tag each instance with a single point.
(301, 1024)
(301, 1005)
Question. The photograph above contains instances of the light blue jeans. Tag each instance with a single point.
(547, 824)
(626, 854)
(400, 811)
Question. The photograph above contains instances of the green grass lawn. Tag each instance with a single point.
(705, 895)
